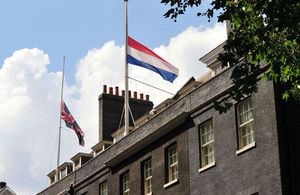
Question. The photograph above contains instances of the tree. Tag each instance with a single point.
(263, 32)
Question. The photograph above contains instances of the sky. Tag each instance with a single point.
(34, 37)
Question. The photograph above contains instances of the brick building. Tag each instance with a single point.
(183, 146)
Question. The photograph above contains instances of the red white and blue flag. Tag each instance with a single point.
(142, 56)
(71, 123)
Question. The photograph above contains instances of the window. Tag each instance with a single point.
(99, 150)
(125, 184)
(103, 188)
(207, 142)
(172, 163)
(118, 136)
(147, 173)
(219, 70)
(52, 179)
(63, 173)
(245, 123)
(77, 164)
(106, 146)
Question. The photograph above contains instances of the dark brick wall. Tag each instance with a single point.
(110, 110)
(257, 170)
(156, 151)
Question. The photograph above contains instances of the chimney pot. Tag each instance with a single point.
(111, 91)
(135, 95)
(104, 89)
(142, 96)
(129, 94)
(117, 91)
(123, 93)
(147, 97)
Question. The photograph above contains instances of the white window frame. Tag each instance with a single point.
(125, 184)
(103, 188)
(120, 135)
(54, 179)
(78, 165)
(172, 166)
(147, 177)
(248, 122)
(207, 140)
(61, 172)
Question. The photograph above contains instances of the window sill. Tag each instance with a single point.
(246, 148)
(171, 183)
(207, 167)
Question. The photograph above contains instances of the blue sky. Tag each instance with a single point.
(35, 35)
(69, 28)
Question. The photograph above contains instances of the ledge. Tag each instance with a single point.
(246, 148)
(171, 183)
(210, 165)
(163, 129)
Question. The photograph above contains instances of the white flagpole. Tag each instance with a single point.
(59, 134)
(126, 103)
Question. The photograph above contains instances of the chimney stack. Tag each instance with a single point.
(129, 94)
(111, 106)
(147, 97)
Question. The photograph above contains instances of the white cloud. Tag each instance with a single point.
(183, 51)
(30, 94)
(98, 67)
(29, 119)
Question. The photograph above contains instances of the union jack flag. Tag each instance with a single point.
(71, 123)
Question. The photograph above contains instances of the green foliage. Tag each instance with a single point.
(264, 32)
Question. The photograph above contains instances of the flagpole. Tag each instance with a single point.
(126, 103)
(61, 100)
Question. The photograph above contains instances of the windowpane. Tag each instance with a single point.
(125, 184)
(103, 189)
(148, 177)
(64, 173)
(207, 143)
(173, 163)
(246, 132)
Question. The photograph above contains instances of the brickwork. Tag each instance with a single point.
(264, 168)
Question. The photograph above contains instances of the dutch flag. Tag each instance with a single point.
(142, 56)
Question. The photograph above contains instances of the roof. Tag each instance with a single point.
(52, 173)
(5, 189)
(80, 154)
(189, 86)
(211, 57)
(100, 144)
(120, 130)
(65, 164)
